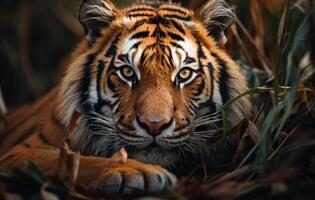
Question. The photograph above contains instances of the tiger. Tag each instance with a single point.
(151, 78)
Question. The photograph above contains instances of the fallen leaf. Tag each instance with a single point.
(3, 108)
(47, 195)
(253, 132)
(68, 167)
(120, 156)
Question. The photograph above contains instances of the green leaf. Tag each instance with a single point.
(34, 172)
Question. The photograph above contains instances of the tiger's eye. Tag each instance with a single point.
(128, 72)
(185, 74)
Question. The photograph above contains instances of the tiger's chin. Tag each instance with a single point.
(155, 155)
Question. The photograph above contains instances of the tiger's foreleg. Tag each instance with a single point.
(98, 174)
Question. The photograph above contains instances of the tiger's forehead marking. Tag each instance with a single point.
(164, 10)
(158, 31)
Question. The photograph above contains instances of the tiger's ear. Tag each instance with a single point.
(95, 15)
(217, 16)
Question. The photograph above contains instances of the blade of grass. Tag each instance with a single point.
(3, 107)
(299, 36)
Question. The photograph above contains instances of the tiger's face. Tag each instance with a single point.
(153, 80)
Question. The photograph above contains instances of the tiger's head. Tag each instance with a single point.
(150, 78)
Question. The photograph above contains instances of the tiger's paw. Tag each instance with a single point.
(135, 176)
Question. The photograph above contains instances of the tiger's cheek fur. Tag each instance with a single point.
(182, 113)
(198, 90)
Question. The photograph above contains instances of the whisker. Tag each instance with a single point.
(212, 121)
(188, 147)
(206, 119)
(208, 116)
(101, 127)
(208, 132)
(101, 120)
(182, 151)
(208, 122)
(212, 114)
(99, 117)
(98, 114)
(112, 136)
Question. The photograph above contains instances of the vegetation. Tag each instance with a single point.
(274, 42)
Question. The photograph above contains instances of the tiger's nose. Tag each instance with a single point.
(154, 128)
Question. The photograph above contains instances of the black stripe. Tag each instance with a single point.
(110, 85)
(211, 71)
(165, 62)
(195, 98)
(145, 180)
(21, 137)
(158, 20)
(192, 108)
(100, 69)
(123, 182)
(117, 102)
(169, 58)
(135, 46)
(175, 36)
(200, 88)
(174, 10)
(116, 95)
(85, 80)
(138, 24)
(139, 35)
(201, 53)
(123, 57)
(174, 44)
(26, 145)
(43, 138)
(140, 15)
(113, 48)
(144, 55)
(155, 32)
(224, 78)
(189, 60)
(178, 26)
(140, 9)
(158, 32)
